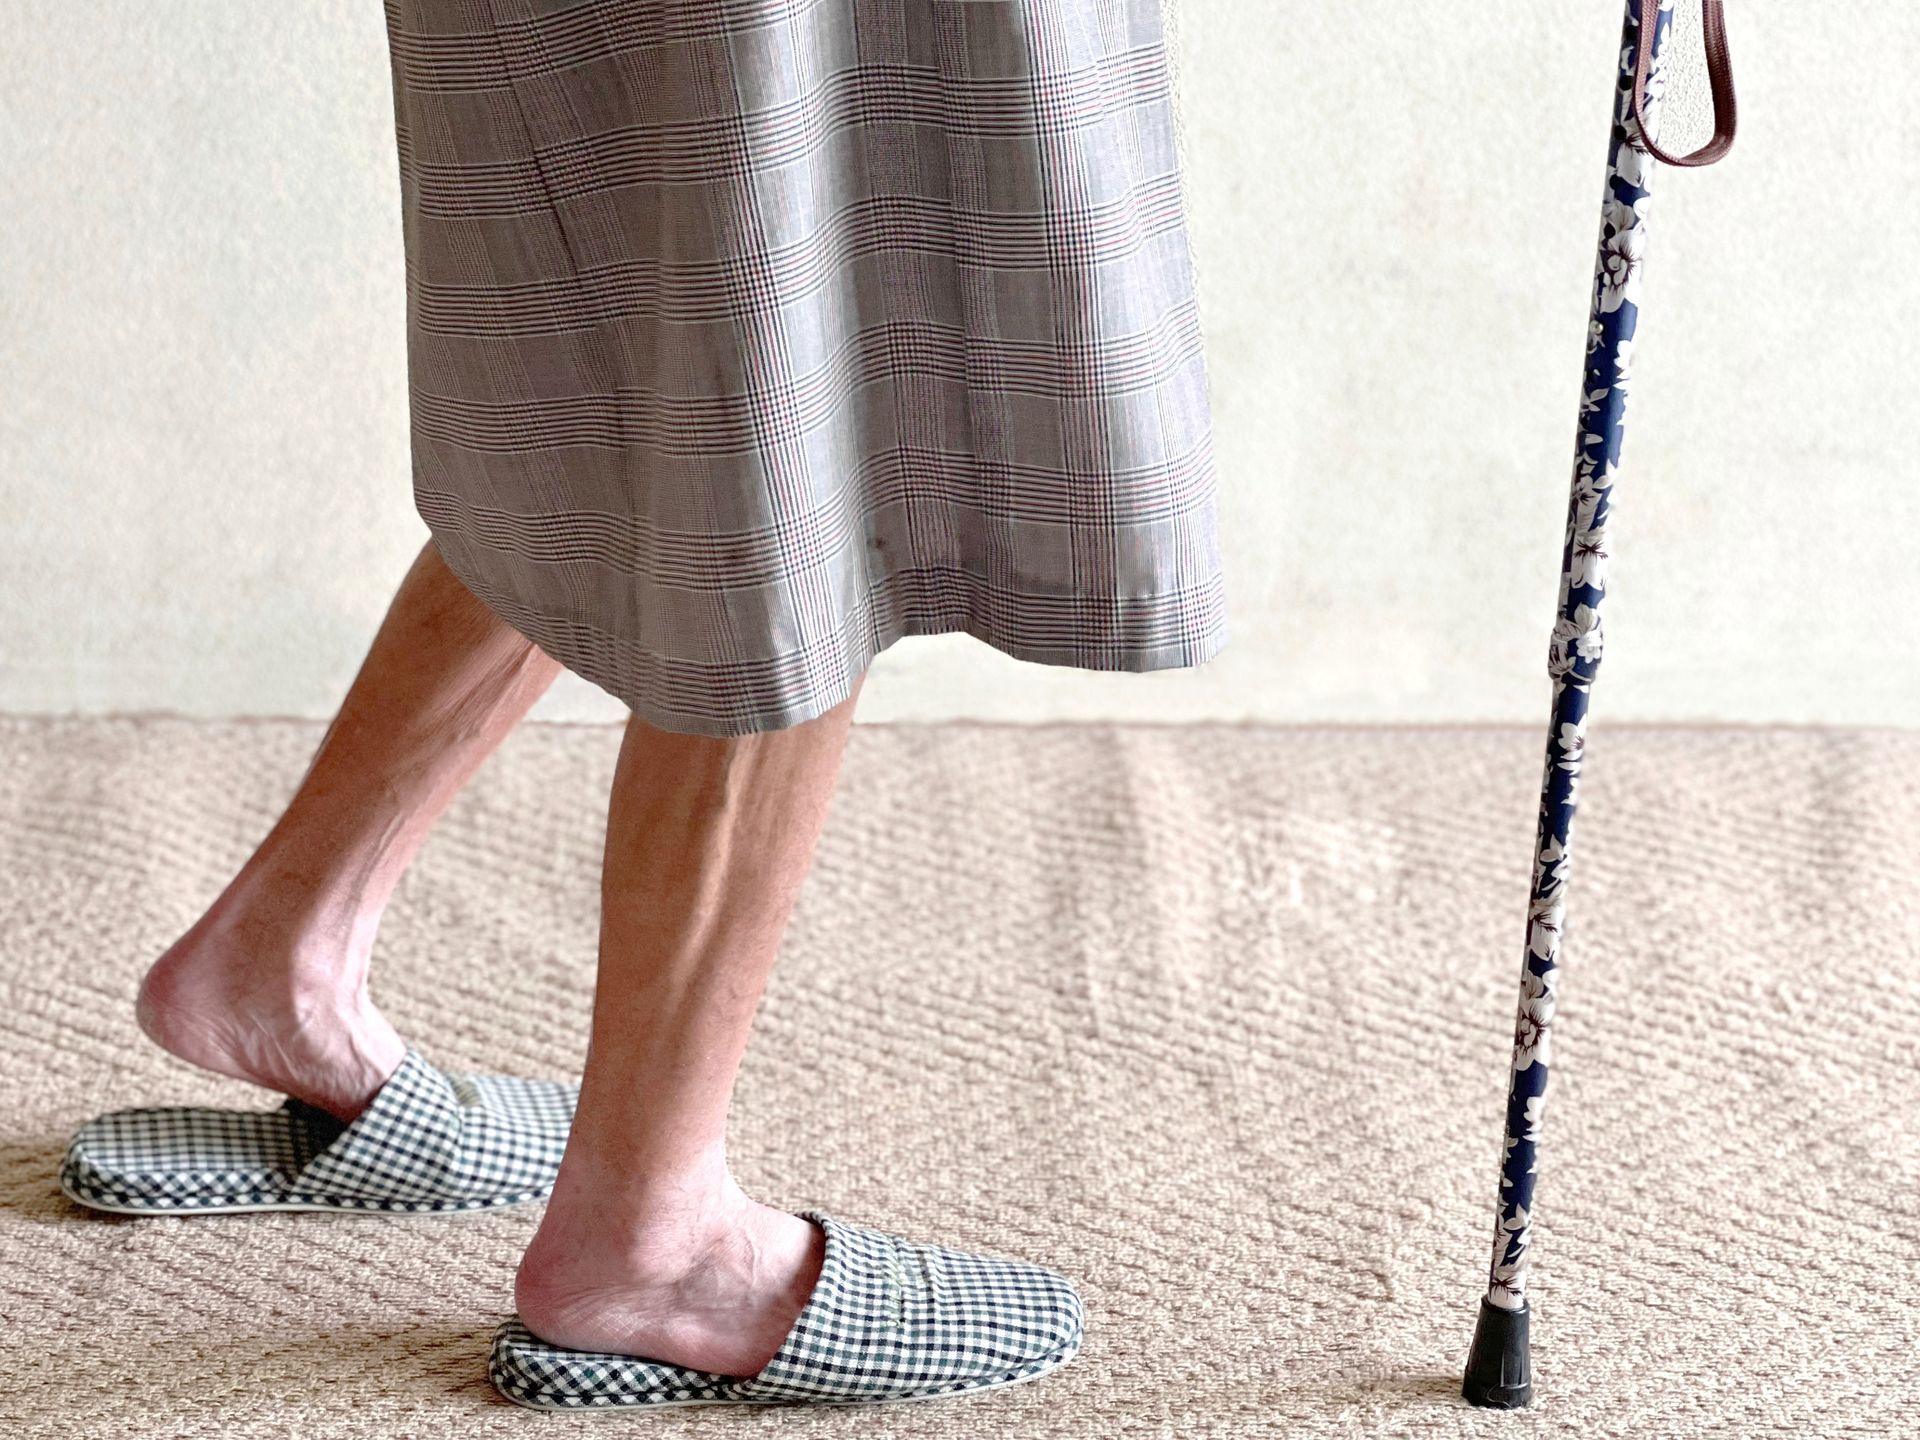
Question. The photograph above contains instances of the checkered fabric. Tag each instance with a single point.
(746, 337)
(429, 1141)
(889, 1319)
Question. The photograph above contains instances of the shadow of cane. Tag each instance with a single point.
(1395, 1393)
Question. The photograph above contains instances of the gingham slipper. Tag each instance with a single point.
(429, 1141)
(889, 1319)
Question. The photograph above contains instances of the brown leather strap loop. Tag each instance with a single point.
(1713, 34)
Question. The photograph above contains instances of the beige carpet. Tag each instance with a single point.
(1213, 1019)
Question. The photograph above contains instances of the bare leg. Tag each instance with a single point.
(648, 1246)
(270, 985)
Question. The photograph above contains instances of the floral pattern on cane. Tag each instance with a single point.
(1512, 1239)
(1622, 366)
(1576, 638)
(1543, 929)
(1533, 1033)
(1535, 1105)
(1620, 252)
(1590, 546)
(1574, 651)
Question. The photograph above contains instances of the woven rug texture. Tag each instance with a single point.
(1215, 1019)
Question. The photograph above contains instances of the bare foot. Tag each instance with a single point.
(251, 994)
(723, 1300)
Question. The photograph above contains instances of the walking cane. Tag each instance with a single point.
(1499, 1368)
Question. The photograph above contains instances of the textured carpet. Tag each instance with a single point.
(1214, 1019)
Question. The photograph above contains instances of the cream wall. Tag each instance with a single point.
(203, 462)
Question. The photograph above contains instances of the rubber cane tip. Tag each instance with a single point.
(1499, 1367)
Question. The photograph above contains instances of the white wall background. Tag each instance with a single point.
(204, 502)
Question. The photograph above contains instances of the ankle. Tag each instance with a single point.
(579, 1286)
(659, 1231)
(242, 1002)
(278, 941)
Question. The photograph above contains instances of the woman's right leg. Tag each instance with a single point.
(648, 1246)
(270, 985)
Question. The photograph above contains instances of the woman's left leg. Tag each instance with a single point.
(648, 1246)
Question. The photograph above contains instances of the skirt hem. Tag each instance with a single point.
(823, 694)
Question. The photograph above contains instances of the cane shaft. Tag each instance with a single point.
(1575, 648)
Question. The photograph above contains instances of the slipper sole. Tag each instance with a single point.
(339, 1207)
(610, 1407)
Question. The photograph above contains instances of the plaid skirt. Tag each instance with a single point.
(746, 337)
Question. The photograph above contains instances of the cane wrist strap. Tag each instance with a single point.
(1713, 34)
